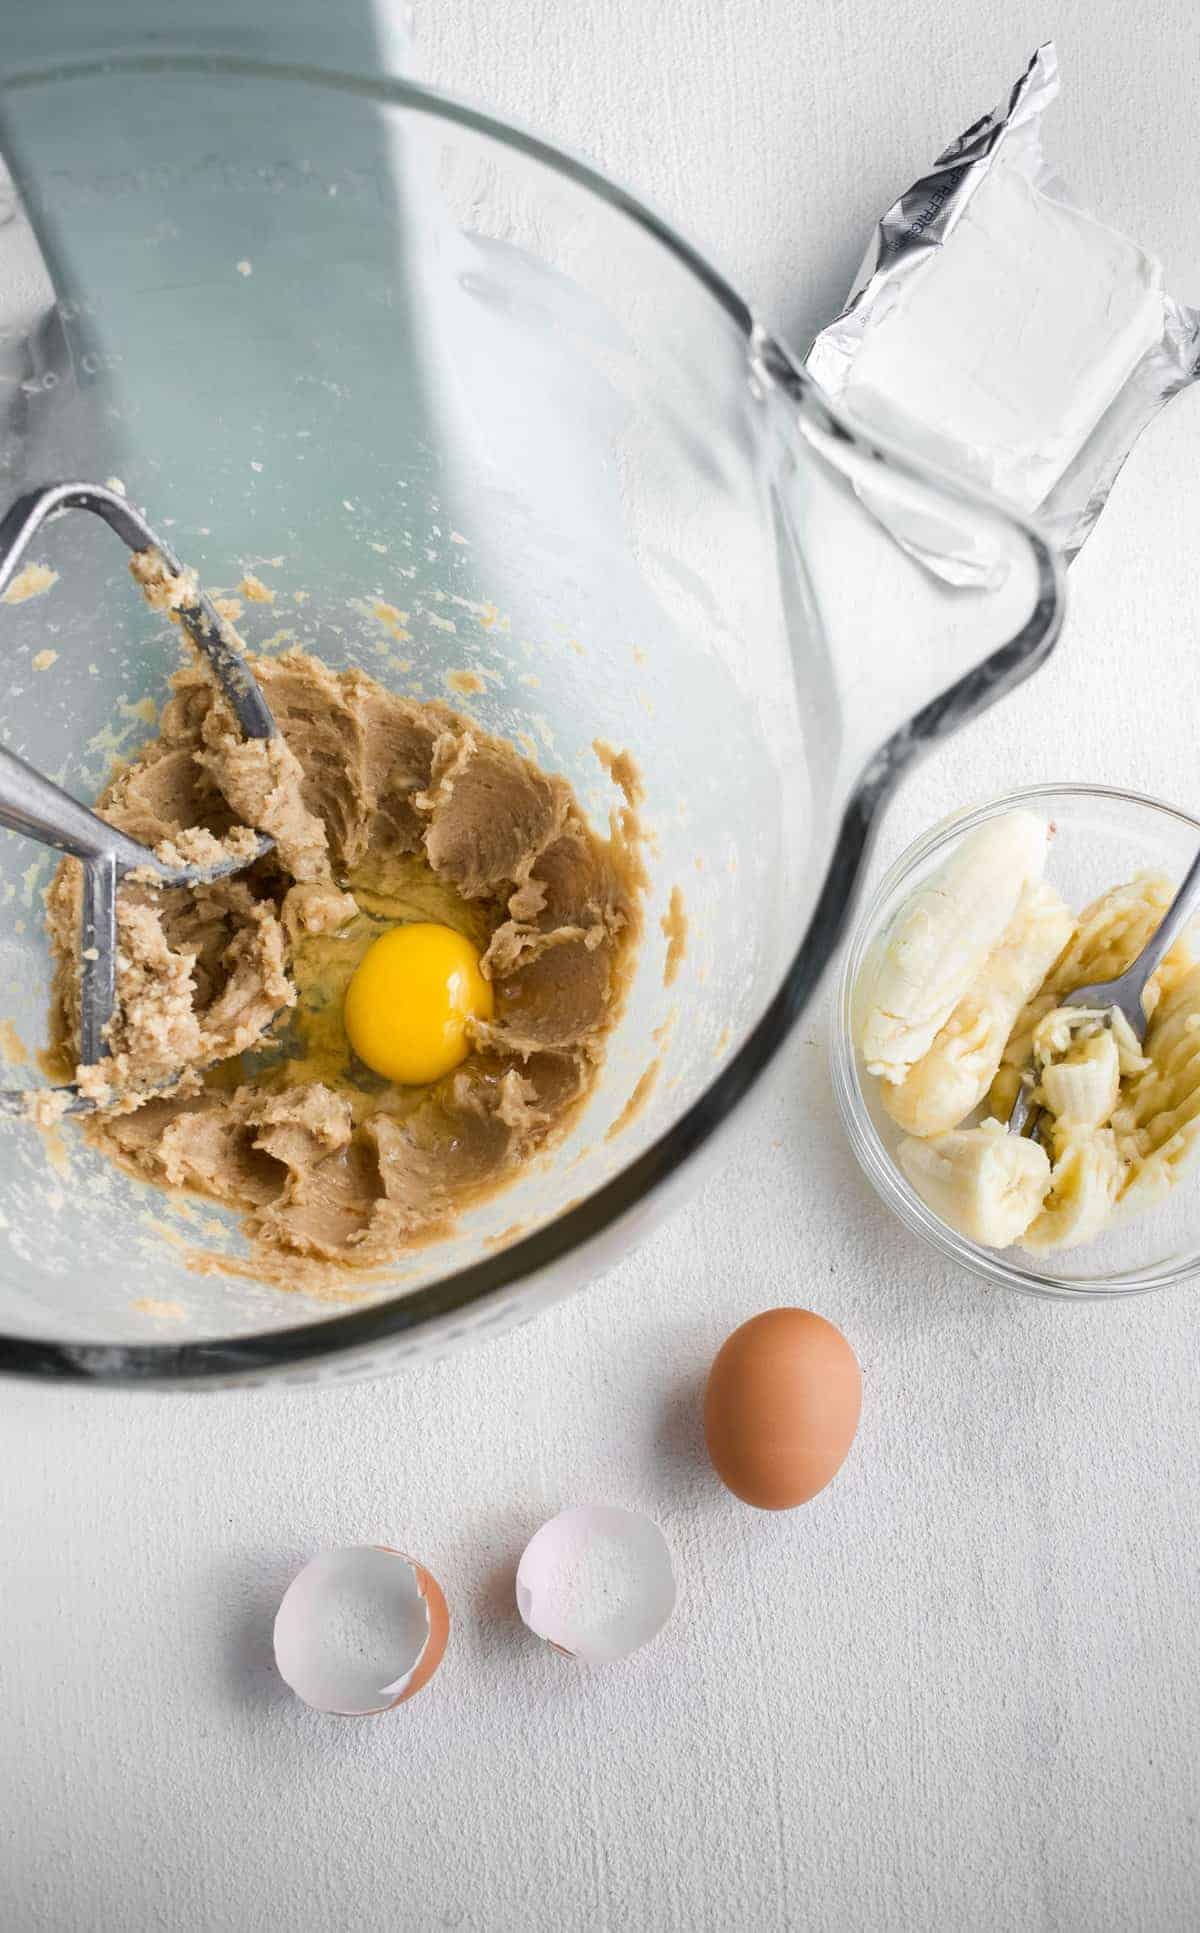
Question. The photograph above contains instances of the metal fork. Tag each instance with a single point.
(1124, 993)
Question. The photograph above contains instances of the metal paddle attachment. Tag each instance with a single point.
(32, 805)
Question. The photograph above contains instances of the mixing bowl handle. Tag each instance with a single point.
(900, 494)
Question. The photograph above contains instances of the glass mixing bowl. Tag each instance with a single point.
(1102, 838)
(393, 356)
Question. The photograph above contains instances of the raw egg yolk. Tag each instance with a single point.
(407, 1007)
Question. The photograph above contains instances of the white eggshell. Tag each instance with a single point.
(360, 1629)
(596, 1582)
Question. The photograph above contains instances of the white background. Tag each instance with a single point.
(960, 1689)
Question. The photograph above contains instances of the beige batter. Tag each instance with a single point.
(382, 808)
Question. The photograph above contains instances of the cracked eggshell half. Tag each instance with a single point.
(596, 1582)
(360, 1629)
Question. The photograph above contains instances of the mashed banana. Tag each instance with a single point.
(967, 1006)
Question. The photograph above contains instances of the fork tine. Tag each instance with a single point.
(1023, 1109)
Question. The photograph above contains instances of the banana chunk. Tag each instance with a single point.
(943, 935)
(1084, 1183)
(948, 1083)
(1108, 936)
(1157, 1121)
(961, 1003)
(1081, 1089)
(985, 1183)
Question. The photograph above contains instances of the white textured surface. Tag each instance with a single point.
(960, 1689)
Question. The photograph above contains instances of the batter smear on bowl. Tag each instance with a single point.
(384, 811)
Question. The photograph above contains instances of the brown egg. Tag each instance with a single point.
(781, 1407)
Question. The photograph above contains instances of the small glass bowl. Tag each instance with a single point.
(1102, 837)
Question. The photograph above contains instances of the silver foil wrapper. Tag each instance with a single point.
(1006, 333)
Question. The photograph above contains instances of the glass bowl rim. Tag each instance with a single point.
(221, 1360)
(873, 1158)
